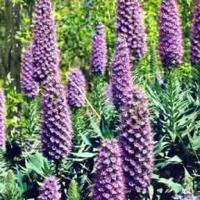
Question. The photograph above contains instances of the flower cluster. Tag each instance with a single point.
(28, 85)
(136, 141)
(195, 36)
(50, 189)
(76, 89)
(99, 51)
(131, 25)
(109, 182)
(45, 51)
(56, 127)
(121, 80)
(170, 34)
(2, 118)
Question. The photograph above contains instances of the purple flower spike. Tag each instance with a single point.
(121, 80)
(50, 189)
(136, 141)
(170, 34)
(2, 118)
(76, 89)
(99, 51)
(56, 127)
(109, 182)
(195, 36)
(131, 25)
(45, 51)
(28, 85)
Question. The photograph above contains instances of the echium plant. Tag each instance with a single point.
(195, 36)
(45, 51)
(131, 25)
(56, 127)
(76, 89)
(28, 85)
(121, 79)
(50, 189)
(135, 135)
(109, 180)
(99, 51)
(136, 141)
(170, 34)
(98, 60)
(2, 118)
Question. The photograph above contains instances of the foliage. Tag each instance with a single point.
(176, 123)
(10, 189)
(73, 191)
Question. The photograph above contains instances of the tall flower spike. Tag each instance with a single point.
(99, 51)
(76, 89)
(45, 51)
(170, 34)
(195, 36)
(109, 182)
(131, 25)
(2, 118)
(121, 80)
(136, 141)
(50, 189)
(28, 85)
(56, 127)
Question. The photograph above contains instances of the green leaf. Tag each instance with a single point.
(104, 129)
(85, 155)
(173, 186)
(73, 191)
(96, 128)
(170, 161)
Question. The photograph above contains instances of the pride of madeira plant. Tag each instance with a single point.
(170, 34)
(28, 85)
(91, 137)
(130, 24)
(135, 133)
(194, 36)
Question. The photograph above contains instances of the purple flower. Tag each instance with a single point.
(28, 85)
(50, 189)
(136, 141)
(195, 36)
(45, 51)
(131, 25)
(99, 51)
(76, 89)
(121, 80)
(170, 34)
(2, 118)
(56, 129)
(109, 180)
